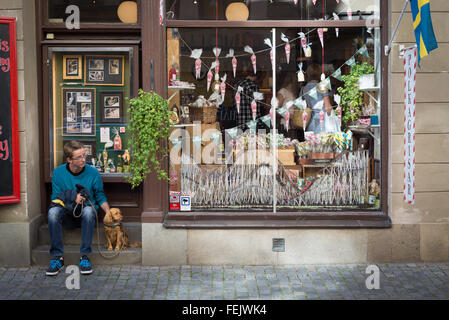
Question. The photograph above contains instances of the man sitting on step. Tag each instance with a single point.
(76, 186)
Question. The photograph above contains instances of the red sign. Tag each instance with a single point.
(9, 121)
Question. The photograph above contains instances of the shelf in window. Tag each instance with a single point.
(114, 177)
(370, 89)
(180, 88)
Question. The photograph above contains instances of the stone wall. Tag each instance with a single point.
(423, 228)
(18, 222)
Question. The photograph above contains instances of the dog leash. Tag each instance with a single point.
(116, 254)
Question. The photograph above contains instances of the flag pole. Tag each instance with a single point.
(388, 47)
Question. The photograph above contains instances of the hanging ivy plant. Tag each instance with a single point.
(351, 96)
(149, 127)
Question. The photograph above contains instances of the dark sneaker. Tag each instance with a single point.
(56, 265)
(85, 266)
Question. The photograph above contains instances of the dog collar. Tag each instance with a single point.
(112, 225)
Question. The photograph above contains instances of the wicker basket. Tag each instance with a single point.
(203, 114)
(297, 118)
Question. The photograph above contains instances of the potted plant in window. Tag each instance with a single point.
(149, 127)
(351, 95)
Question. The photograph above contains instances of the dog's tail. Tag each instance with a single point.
(135, 244)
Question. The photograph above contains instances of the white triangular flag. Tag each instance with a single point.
(336, 18)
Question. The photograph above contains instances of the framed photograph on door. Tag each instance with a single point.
(111, 107)
(104, 70)
(78, 112)
(72, 66)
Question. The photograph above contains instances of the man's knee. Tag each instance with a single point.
(54, 214)
(88, 213)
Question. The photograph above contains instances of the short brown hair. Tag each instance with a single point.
(70, 147)
(313, 72)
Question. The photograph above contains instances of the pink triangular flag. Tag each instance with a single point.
(321, 35)
(254, 109)
(197, 68)
(287, 120)
(209, 79)
(234, 65)
(238, 98)
(314, 2)
(304, 119)
(322, 120)
(303, 42)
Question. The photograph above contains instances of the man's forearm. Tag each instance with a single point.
(105, 207)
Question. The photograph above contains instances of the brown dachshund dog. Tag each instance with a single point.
(115, 233)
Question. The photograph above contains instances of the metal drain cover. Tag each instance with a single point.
(278, 245)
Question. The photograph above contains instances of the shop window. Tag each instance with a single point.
(89, 100)
(228, 157)
(269, 10)
(95, 11)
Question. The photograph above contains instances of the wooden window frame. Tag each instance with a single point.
(297, 219)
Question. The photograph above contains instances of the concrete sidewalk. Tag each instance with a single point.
(317, 282)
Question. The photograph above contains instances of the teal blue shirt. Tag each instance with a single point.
(90, 178)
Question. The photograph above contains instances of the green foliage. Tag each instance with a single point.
(149, 127)
(351, 96)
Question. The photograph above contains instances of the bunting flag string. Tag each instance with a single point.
(298, 102)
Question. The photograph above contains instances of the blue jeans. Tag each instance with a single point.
(58, 216)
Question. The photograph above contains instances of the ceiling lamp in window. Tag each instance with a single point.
(237, 11)
(127, 12)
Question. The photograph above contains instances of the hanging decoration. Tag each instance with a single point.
(336, 18)
(210, 75)
(314, 2)
(348, 8)
(304, 119)
(337, 74)
(274, 106)
(364, 51)
(287, 120)
(337, 100)
(321, 120)
(287, 47)
(257, 97)
(161, 12)
(253, 57)
(321, 36)
(223, 86)
(300, 73)
(296, 2)
(267, 41)
(410, 60)
(234, 61)
(252, 125)
(238, 98)
(196, 54)
(305, 46)
(217, 52)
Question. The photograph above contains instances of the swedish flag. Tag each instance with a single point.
(422, 24)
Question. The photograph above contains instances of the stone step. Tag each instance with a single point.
(73, 237)
(131, 256)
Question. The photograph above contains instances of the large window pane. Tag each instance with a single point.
(226, 165)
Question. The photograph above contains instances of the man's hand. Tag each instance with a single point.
(79, 198)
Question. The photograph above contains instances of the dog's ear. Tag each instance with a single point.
(108, 218)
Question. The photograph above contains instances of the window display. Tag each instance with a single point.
(90, 98)
(307, 138)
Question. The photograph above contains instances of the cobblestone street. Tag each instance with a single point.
(305, 282)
